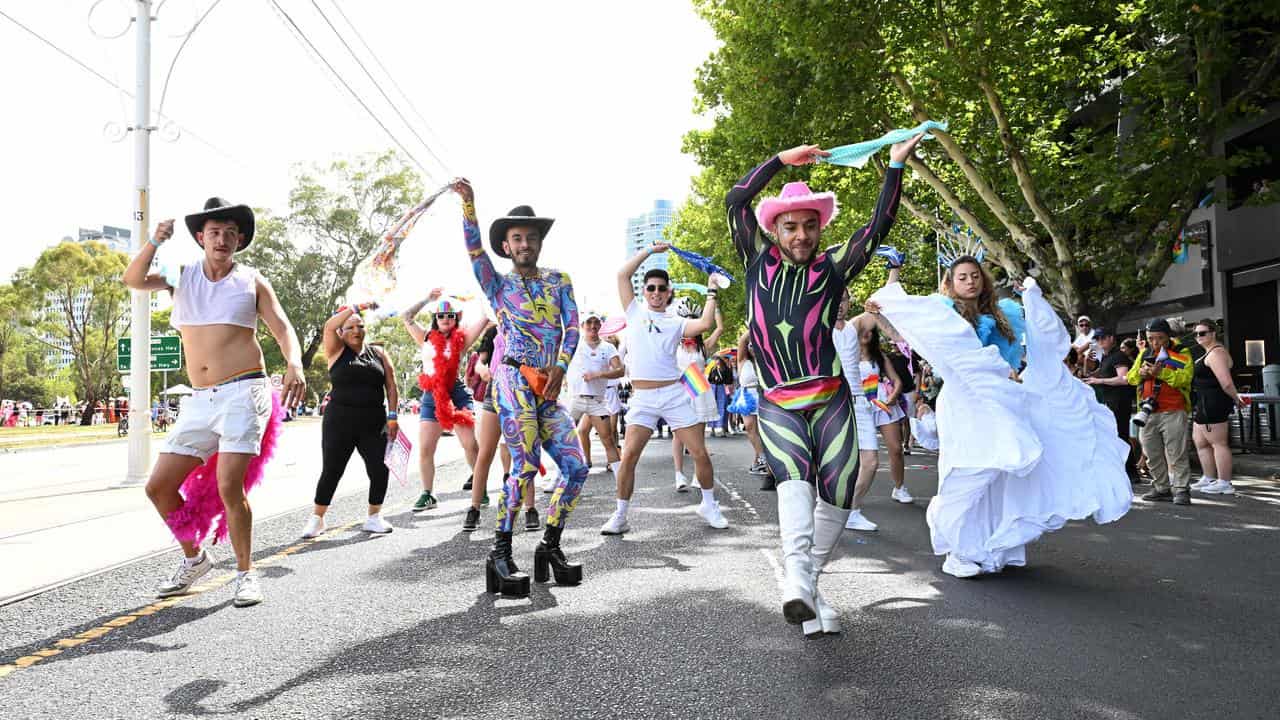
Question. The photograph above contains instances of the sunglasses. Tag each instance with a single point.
(446, 316)
(1083, 324)
(655, 288)
(1202, 333)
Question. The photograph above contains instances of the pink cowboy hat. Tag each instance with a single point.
(796, 196)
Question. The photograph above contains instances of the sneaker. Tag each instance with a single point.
(1155, 495)
(758, 467)
(1202, 483)
(711, 513)
(484, 500)
(901, 495)
(314, 527)
(1219, 487)
(426, 501)
(472, 520)
(531, 521)
(615, 525)
(247, 590)
(185, 576)
(859, 522)
(1182, 497)
(960, 568)
(376, 525)
(467, 485)
(682, 482)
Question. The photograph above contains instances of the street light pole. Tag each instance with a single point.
(140, 370)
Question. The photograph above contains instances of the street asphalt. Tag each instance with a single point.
(1168, 613)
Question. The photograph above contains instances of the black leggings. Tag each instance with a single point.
(352, 428)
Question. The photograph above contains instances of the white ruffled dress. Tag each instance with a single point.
(1016, 460)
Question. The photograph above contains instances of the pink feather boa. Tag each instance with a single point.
(203, 505)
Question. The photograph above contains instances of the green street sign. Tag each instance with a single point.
(166, 353)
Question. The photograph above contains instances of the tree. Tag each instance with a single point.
(338, 214)
(84, 307)
(1081, 133)
(14, 311)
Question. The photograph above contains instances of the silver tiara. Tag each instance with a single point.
(957, 242)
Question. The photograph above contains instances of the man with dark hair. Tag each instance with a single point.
(1111, 382)
(1162, 375)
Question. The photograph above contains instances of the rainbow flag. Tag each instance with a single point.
(695, 380)
(871, 390)
(1173, 359)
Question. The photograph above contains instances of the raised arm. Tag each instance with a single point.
(481, 264)
(713, 339)
(693, 328)
(331, 336)
(136, 275)
(410, 316)
(295, 381)
(475, 330)
(851, 257)
(626, 293)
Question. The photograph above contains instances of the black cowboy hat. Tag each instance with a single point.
(522, 215)
(215, 208)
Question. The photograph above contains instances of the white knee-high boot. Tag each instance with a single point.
(795, 524)
(828, 525)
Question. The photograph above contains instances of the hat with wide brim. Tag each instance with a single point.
(796, 196)
(216, 208)
(519, 216)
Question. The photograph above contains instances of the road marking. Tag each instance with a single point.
(125, 619)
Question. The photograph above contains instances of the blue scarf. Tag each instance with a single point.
(700, 262)
(857, 154)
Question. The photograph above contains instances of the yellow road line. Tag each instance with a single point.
(125, 619)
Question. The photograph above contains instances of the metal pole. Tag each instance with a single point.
(140, 372)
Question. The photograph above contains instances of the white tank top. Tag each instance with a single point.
(233, 300)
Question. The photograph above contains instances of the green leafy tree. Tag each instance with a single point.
(1081, 133)
(14, 309)
(338, 214)
(84, 307)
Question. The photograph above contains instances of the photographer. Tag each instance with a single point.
(1162, 374)
(1110, 381)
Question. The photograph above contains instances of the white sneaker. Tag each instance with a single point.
(901, 495)
(682, 482)
(185, 576)
(1219, 487)
(549, 483)
(711, 513)
(314, 527)
(960, 568)
(615, 525)
(376, 525)
(247, 589)
(858, 522)
(1202, 483)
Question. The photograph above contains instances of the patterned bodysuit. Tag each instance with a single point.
(538, 319)
(806, 409)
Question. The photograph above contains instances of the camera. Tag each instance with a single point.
(1147, 406)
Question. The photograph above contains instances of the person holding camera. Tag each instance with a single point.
(1162, 374)
(1111, 382)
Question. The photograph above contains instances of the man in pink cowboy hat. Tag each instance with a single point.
(216, 307)
(806, 408)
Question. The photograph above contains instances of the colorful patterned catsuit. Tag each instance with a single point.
(806, 408)
(538, 319)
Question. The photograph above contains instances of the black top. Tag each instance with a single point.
(1203, 381)
(903, 368)
(358, 380)
(1113, 394)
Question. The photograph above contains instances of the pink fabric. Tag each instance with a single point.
(202, 505)
(796, 196)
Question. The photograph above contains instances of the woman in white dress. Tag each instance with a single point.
(1005, 481)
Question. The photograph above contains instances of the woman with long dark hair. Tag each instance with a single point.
(1012, 440)
(1213, 398)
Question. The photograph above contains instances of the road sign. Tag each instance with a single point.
(166, 353)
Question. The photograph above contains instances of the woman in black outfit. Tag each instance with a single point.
(1213, 397)
(357, 417)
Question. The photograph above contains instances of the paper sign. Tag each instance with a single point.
(396, 458)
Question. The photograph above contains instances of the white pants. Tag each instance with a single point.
(669, 403)
(227, 418)
(867, 438)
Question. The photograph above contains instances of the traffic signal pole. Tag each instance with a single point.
(140, 370)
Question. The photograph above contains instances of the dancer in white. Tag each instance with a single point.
(594, 364)
(1008, 479)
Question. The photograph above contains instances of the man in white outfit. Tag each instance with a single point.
(594, 364)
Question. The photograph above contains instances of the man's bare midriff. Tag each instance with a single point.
(651, 384)
(216, 352)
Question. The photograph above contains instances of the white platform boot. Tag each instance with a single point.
(828, 524)
(795, 525)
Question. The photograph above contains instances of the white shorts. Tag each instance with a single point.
(669, 403)
(592, 406)
(227, 418)
(611, 400)
(867, 438)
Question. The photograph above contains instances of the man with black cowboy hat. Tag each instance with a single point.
(216, 306)
(538, 318)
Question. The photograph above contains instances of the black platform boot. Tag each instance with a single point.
(501, 574)
(549, 559)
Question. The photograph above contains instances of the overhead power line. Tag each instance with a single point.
(390, 77)
(349, 89)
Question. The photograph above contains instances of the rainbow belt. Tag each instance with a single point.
(805, 394)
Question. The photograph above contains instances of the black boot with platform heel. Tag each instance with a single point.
(501, 574)
(549, 560)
